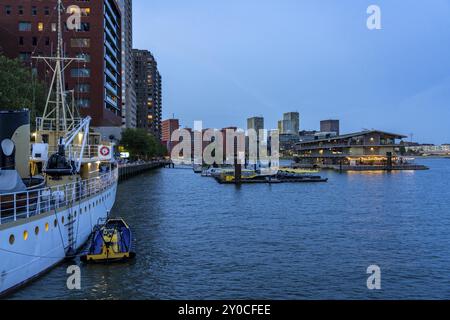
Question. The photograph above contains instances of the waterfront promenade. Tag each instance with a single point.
(127, 171)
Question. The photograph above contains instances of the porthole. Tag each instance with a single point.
(36, 231)
(85, 209)
(12, 239)
(55, 223)
(46, 227)
(75, 214)
(62, 219)
(25, 235)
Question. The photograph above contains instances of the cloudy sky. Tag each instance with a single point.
(225, 60)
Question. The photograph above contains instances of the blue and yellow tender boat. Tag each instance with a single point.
(111, 242)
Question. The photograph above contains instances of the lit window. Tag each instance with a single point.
(25, 235)
(80, 43)
(24, 26)
(85, 11)
(40, 26)
(82, 73)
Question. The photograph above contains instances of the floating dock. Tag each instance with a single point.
(272, 180)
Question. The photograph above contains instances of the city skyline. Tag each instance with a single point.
(315, 58)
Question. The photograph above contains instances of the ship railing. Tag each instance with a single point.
(89, 152)
(23, 205)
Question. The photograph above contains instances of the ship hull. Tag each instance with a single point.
(42, 242)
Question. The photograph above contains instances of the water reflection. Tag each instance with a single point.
(197, 239)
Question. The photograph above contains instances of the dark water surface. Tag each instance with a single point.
(196, 239)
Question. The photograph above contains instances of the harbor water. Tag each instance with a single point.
(197, 239)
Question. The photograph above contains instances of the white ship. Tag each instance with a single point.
(52, 196)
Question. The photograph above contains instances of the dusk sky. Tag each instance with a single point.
(223, 61)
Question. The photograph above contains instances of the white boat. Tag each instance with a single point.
(213, 172)
(50, 216)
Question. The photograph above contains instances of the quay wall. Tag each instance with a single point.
(130, 170)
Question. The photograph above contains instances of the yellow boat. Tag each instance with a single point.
(111, 242)
(228, 177)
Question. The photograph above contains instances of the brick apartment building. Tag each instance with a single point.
(29, 28)
(167, 128)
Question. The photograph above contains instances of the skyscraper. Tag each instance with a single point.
(148, 92)
(290, 123)
(129, 112)
(330, 126)
(255, 123)
(29, 28)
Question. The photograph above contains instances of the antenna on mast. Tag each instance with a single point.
(60, 118)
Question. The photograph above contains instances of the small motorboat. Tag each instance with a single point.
(111, 242)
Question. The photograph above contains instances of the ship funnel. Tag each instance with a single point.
(15, 141)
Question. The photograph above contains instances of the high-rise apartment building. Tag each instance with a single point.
(148, 92)
(29, 28)
(290, 123)
(129, 112)
(255, 123)
(330, 126)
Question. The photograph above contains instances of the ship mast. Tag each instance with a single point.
(58, 116)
